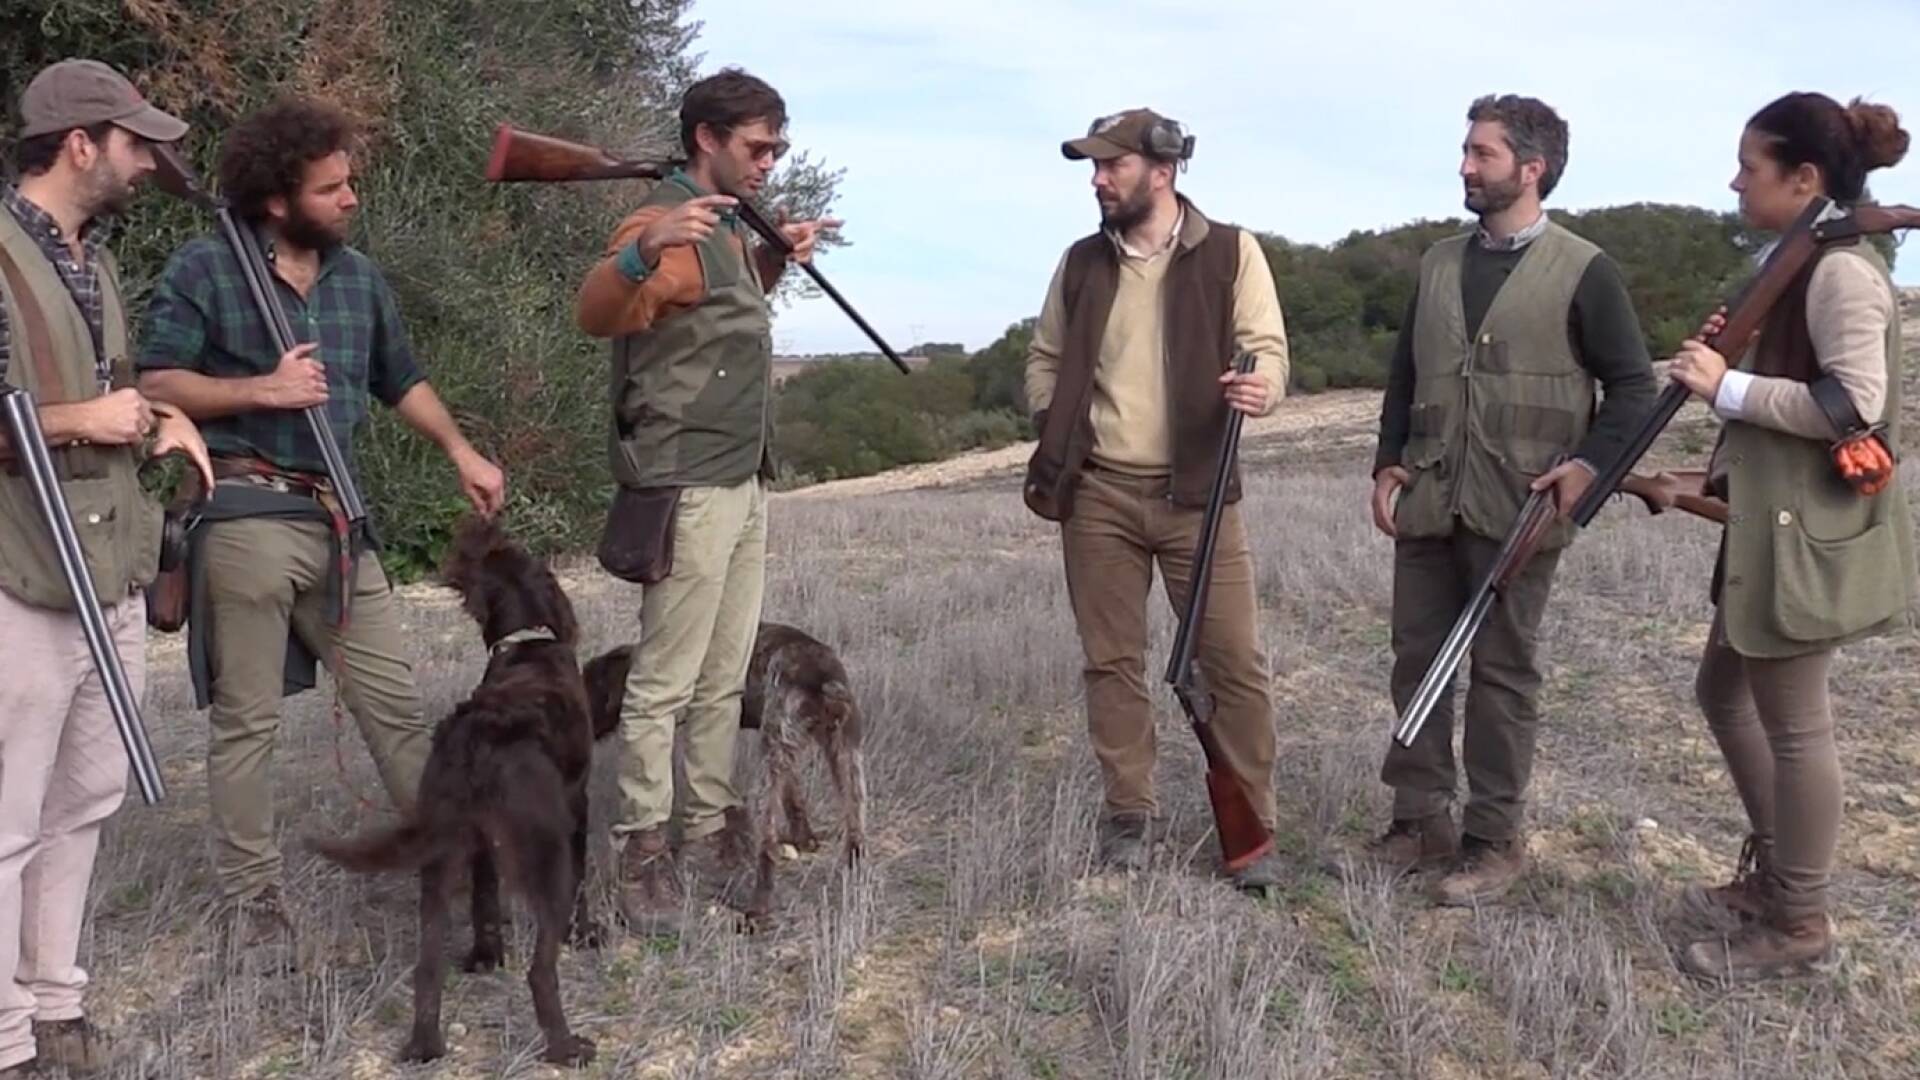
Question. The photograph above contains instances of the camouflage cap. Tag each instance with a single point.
(1135, 131)
(81, 93)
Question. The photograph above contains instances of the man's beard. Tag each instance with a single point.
(107, 192)
(1131, 209)
(1494, 195)
(304, 232)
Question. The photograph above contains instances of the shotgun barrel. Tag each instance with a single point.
(36, 464)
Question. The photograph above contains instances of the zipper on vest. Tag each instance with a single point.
(1466, 421)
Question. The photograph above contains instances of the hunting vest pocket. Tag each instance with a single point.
(1819, 592)
(1526, 438)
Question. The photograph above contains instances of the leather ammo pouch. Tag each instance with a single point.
(637, 544)
(1861, 456)
(168, 596)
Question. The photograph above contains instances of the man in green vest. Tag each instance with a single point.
(271, 582)
(85, 146)
(1130, 378)
(1490, 397)
(682, 293)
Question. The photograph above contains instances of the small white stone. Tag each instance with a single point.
(789, 852)
(1646, 824)
(456, 1031)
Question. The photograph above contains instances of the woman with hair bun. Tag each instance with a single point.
(1808, 561)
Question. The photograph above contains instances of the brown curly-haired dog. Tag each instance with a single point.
(506, 780)
(796, 690)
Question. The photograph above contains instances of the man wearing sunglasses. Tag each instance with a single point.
(1130, 378)
(682, 293)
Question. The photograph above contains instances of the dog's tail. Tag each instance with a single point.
(847, 763)
(407, 846)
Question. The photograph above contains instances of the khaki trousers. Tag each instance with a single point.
(1120, 528)
(1775, 728)
(265, 577)
(63, 772)
(697, 630)
(1432, 581)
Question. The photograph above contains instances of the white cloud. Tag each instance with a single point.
(1312, 119)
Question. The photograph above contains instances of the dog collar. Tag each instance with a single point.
(529, 633)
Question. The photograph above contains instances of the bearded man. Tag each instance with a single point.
(1130, 378)
(273, 580)
(1491, 397)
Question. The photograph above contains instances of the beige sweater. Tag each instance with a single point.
(1131, 429)
(1849, 307)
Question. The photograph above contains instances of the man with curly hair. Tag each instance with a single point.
(268, 593)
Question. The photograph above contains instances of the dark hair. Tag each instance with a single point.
(1843, 143)
(725, 100)
(267, 152)
(1534, 131)
(36, 155)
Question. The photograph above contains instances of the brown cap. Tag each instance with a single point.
(80, 93)
(1135, 131)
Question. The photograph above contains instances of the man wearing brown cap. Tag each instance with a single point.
(1129, 377)
(85, 145)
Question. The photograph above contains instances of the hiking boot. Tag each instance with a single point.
(1123, 842)
(1411, 845)
(1484, 872)
(74, 1045)
(1746, 896)
(1260, 875)
(1772, 946)
(651, 898)
(716, 863)
(256, 931)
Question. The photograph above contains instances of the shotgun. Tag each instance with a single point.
(1675, 490)
(1820, 224)
(174, 176)
(36, 464)
(519, 156)
(1243, 838)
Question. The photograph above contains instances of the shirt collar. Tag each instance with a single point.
(1173, 237)
(1514, 242)
(44, 229)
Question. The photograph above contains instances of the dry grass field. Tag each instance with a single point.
(978, 940)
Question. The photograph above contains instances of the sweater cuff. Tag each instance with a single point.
(630, 264)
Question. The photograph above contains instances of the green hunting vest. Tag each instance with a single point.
(692, 394)
(118, 525)
(1810, 563)
(1491, 411)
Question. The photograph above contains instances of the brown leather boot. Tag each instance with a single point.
(1411, 845)
(1774, 946)
(1746, 896)
(256, 933)
(1484, 872)
(74, 1045)
(717, 864)
(1123, 842)
(651, 898)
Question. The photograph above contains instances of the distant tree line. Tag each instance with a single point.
(1343, 304)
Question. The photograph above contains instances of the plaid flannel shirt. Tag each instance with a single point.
(203, 319)
(82, 277)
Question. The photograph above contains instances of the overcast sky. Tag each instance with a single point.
(1311, 119)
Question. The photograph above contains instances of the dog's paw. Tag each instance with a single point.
(485, 956)
(424, 1046)
(803, 840)
(569, 1050)
(587, 934)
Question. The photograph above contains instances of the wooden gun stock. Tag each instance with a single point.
(1678, 490)
(526, 156)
